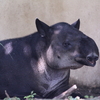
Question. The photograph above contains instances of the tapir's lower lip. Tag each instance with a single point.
(85, 62)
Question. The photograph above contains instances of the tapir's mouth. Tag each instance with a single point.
(85, 61)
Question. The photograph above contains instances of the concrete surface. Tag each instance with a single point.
(17, 18)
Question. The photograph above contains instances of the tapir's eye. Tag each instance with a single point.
(66, 44)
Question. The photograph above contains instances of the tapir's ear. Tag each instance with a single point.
(42, 27)
(76, 24)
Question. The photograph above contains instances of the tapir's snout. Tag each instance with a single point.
(89, 52)
(90, 60)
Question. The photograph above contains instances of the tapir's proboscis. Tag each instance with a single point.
(41, 62)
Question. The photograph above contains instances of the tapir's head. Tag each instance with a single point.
(66, 46)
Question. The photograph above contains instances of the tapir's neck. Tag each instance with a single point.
(49, 78)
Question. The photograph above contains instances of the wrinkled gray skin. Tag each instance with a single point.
(41, 62)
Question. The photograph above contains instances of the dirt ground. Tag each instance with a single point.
(82, 90)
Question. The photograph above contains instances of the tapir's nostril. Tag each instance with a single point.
(92, 58)
(89, 58)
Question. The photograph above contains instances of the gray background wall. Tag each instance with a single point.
(17, 19)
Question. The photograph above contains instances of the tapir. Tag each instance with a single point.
(41, 61)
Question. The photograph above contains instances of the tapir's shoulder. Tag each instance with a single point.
(18, 44)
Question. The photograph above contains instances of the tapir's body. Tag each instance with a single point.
(41, 62)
